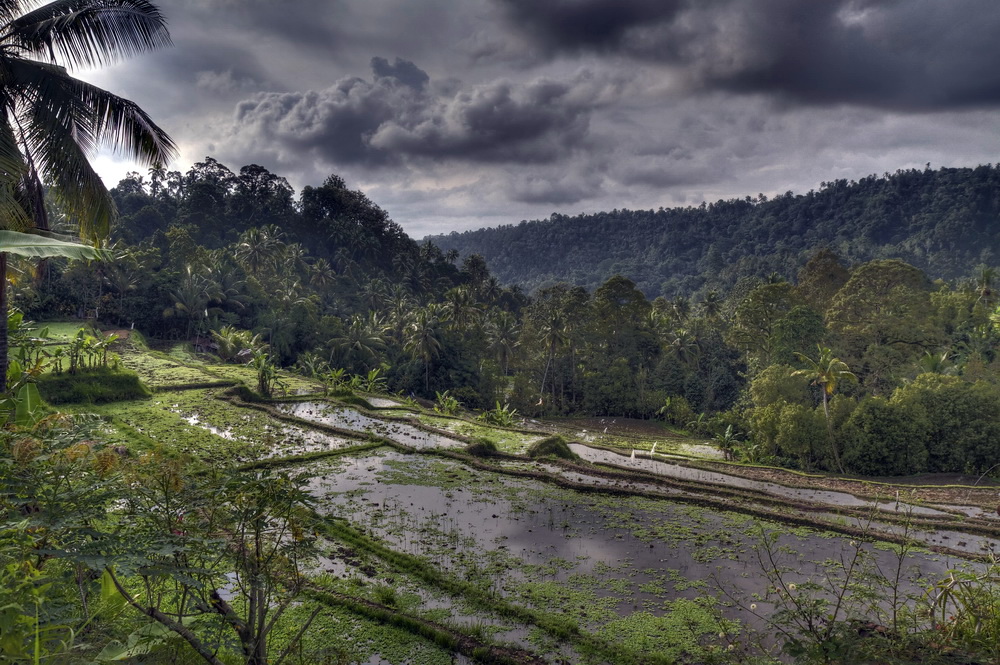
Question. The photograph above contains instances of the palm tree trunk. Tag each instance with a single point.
(3, 324)
(829, 433)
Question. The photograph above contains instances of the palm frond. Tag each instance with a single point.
(52, 143)
(40, 247)
(11, 9)
(89, 32)
(94, 117)
(12, 164)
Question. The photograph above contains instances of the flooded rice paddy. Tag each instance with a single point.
(674, 470)
(349, 419)
(592, 557)
(638, 573)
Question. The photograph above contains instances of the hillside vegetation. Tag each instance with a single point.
(941, 221)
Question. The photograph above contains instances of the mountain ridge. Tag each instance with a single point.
(942, 221)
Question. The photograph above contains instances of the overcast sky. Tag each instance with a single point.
(458, 114)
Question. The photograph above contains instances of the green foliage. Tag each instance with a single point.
(966, 609)
(268, 379)
(552, 446)
(30, 631)
(676, 251)
(501, 416)
(778, 383)
(231, 341)
(445, 403)
(482, 447)
(886, 438)
(92, 386)
(676, 410)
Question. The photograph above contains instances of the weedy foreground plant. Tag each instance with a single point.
(870, 608)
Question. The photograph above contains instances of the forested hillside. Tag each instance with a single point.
(326, 282)
(941, 221)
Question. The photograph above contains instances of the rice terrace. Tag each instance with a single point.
(435, 537)
(674, 350)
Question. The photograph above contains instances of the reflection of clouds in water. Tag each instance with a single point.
(538, 525)
(700, 475)
(346, 418)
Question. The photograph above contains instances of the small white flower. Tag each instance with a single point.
(854, 543)
(753, 606)
(791, 587)
(731, 647)
(722, 636)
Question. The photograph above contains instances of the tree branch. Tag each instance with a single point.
(163, 619)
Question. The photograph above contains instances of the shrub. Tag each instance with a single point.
(501, 416)
(446, 403)
(482, 447)
(552, 446)
(92, 386)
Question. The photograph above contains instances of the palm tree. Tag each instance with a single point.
(361, 341)
(502, 332)
(424, 340)
(460, 308)
(553, 336)
(681, 308)
(51, 121)
(258, 248)
(937, 363)
(321, 274)
(826, 372)
(984, 284)
(711, 305)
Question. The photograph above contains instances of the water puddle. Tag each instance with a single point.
(349, 419)
(195, 420)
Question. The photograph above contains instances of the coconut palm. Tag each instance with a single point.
(826, 372)
(51, 121)
(985, 278)
(554, 336)
(711, 305)
(424, 339)
(502, 333)
(361, 340)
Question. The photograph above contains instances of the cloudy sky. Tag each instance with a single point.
(457, 114)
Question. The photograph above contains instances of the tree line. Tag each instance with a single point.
(329, 284)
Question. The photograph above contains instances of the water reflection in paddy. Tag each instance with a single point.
(673, 470)
(346, 418)
(514, 534)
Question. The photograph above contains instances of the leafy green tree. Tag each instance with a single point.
(820, 279)
(755, 319)
(882, 438)
(884, 320)
(52, 120)
(777, 384)
(221, 552)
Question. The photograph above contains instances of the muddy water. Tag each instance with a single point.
(671, 470)
(613, 556)
(346, 418)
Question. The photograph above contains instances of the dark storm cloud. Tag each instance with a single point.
(403, 71)
(913, 55)
(555, 189)
(398, 117)
(587, 24)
